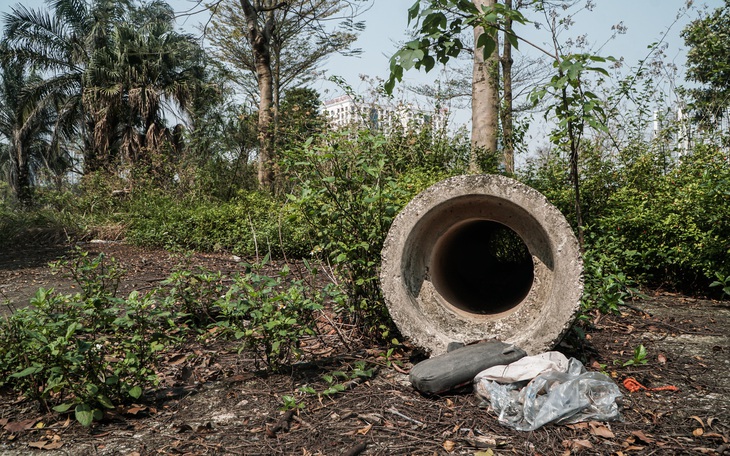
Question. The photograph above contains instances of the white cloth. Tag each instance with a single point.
(526, 368)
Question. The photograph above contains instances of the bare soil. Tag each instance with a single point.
(216, 403)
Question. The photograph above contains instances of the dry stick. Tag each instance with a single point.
(255, 243)
(283, 423)
(337, 329)
(394, 411)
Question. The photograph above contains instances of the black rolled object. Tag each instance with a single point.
(458, 368)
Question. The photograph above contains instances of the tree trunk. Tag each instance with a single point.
(485, 97)
(508, 145)
(20, 172)
(260, 44)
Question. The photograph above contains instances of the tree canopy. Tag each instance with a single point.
(708, 63)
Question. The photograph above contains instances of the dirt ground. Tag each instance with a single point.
(215, 402)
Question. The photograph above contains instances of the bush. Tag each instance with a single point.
(87, 351)
(251, 224)
(665, 222)
(350, 190)
(674, 230)
(271, 315)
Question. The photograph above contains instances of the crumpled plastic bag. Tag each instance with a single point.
(526, 368)
(562, 396)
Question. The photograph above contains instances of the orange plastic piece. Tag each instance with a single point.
(633, 386)
(665, 388)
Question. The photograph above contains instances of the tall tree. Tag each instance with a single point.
(285, 42)
(109, 67)
(708, 63)
(507, 109)
(25, 126)
(485, 90)
(148, 69)
(61, 44)
(573, 105)
(441, 25)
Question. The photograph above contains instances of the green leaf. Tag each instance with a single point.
(136, 392)
(28, 371)
(62, 407)
(413, 11)
(487, 43)
(84, 415)
(104, 401)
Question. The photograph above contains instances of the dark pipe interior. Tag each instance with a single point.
(482, 267)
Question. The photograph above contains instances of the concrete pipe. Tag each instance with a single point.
(481, 257)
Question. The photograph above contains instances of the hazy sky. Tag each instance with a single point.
(646, 22)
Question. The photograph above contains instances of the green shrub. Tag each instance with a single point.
(90, 354)
(674, 228)
(89, 351)
(251, 224)
(664, 221)
(270, 315)
(195, 294)
(350, 190)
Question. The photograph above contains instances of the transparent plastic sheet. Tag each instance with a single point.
(553, 397)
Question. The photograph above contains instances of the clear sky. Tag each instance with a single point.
(646, 22)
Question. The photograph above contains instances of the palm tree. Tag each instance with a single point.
(26, 127)
(110, 68)
(156, 70)
(61, 47)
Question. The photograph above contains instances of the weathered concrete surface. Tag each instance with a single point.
(444, 274)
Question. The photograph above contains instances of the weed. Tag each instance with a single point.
(340, 381)
(89, 354)
(639, 357)
(271, 315)
(196, 294)
(85, 352)
(96, 277)
(722, 281)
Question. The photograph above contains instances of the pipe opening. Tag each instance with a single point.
(482, 267)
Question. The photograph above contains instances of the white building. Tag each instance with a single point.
(344, 112)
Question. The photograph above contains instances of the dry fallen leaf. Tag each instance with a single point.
(46, 445)
(602, 431)
(581, 445)
(698, 432)
(717, 436)
(577, 445)
(487, 452)
(56, 444)
(699, 420)
(449, 446)
(643, 437)
(581, 425)
(19, 426)
(365, 430)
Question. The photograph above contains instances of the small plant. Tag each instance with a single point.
(271, 315)
(340, 381)
(639, 357)
(98, 276)
(85, 352)
(196, 293)
(606, 287)
(88, 355)
(722, 281)
(290, 403)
